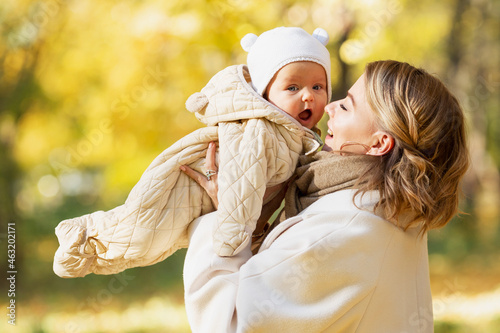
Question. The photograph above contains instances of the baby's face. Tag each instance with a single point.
(299, 89)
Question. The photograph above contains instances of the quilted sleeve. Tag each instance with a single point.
(149, 226)
(107, 243)
(81, 242)
(242, 178)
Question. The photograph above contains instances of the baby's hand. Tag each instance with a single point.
(208, 181)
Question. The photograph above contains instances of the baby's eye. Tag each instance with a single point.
(292, 88)
(317, 87)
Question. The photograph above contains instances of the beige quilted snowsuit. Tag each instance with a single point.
(259, 146)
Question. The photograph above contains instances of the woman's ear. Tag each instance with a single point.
(383, 143)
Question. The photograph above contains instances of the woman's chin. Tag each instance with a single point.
(326, 148)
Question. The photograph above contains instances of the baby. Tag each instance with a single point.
(263, 116)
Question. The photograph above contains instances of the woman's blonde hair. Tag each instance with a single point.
(422, 173)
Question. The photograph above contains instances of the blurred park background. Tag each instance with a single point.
(91, 91)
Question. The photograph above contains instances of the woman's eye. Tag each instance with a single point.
(343, 107)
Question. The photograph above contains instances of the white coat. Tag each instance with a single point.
(332, 268)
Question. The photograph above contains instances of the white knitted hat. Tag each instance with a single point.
(278, 47)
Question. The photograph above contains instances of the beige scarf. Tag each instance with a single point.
(318, 174)
(322, 173)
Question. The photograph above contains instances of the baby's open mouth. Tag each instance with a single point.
(306, 114)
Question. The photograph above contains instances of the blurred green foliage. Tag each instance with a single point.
(91, 92)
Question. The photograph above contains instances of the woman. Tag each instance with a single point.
(352, 255)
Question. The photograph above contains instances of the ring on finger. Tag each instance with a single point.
(210, 173)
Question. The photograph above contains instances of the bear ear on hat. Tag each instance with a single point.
(248, 41)
(321, 35)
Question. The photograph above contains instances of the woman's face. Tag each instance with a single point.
(351, 126)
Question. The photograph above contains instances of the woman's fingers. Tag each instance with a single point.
(209, 180)
(195, 175)
(210, 186)
(210, 159)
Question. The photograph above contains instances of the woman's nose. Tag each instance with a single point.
(330, 109)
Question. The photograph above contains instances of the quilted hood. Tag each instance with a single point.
(229, 96)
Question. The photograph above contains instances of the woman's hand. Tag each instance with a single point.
(209, 180)
(209, 183)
